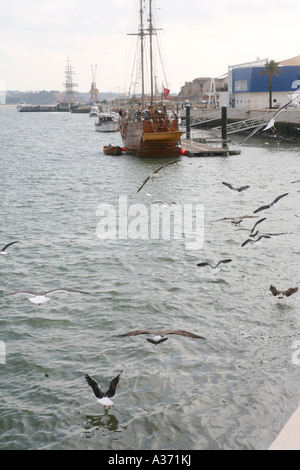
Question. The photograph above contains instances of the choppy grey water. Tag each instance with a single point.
(233, 390)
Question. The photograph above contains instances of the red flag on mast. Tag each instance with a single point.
(166, 92)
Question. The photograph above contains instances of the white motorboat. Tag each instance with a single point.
(107, 122)
(94, 111)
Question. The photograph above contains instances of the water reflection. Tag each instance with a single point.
(107, 421)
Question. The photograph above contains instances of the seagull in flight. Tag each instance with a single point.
(258, 128)
(281, 293)
(271, 205)
(241, 188)
(160, 336)
(3, 252)
(155, 174)
(276, 234)
(104, 397)
(252, 231)
(41, 297)
(214, 268)
(163, 203)
(237, 220)
(255, 241)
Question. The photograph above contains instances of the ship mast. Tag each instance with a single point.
(69, 91)
(151, 31)
(142, 53)
(151, 49)
(142, 32)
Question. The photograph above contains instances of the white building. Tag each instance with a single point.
(249, 89)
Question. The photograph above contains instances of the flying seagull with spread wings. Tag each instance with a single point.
(271, 205)
(240, 189)
(3, 252)
(258, 240)
(236, 220)
(164, 203)
(252, 231)
(215, 268)
(155, 174)
(42, 297)
(104, 397)
(258, 128)
(283, 293)
(160, 336)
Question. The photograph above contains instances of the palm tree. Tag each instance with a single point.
(272, 70)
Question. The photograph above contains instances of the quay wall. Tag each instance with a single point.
(287, 122)
(289, 115)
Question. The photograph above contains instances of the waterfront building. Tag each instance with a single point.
(205, 91)
(249, 89)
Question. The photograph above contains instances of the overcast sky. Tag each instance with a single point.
(199, 38)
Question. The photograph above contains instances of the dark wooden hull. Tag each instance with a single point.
(112, 150)
(151, 138)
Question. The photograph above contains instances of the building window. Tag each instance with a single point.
(240, 85)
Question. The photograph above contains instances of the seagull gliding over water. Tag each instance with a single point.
(160, 336)
(241, 188)
(41, 297)
(155, 174)
(214, 268)
(3, 252)
(281, 293)
(271, 205)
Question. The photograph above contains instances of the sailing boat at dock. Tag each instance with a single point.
(150, 129)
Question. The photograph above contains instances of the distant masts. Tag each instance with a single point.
(69, 84)
(94, 90)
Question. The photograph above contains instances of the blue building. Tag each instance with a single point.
(248, 88)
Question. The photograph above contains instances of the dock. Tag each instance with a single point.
(244, 119)
(288, 438)
(197, 149)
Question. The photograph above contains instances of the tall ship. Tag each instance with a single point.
(150, 128)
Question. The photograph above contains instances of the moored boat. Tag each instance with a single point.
(156, 133)
(40, 108)
(150, 130)
(112, 150)
(94, 111)
(107, 122)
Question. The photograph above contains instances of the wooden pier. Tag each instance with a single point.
(199, 149)
(196, 149)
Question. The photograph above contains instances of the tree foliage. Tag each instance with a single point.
(272, 69)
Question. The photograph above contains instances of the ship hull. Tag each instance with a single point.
(146, 142)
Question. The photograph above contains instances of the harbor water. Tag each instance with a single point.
(234, 389)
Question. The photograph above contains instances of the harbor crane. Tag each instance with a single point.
(94, 90)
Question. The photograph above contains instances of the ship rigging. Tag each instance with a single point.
(150, 128)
